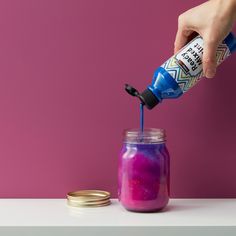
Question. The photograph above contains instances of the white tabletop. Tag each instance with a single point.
(55, 212)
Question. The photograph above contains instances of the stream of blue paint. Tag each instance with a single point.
(141, 117)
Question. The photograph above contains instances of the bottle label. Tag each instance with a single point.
(190, 57)
(186, 66)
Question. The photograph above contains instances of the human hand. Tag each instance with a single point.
(213, 20)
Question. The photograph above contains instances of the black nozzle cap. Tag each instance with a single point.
(148, 99)
(131, 90)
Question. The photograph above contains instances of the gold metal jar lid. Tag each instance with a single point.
(88, 198)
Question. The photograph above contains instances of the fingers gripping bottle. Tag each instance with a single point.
(181, 72)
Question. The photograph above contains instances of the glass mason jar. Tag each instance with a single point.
(144, 171)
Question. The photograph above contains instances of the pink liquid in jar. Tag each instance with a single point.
(143, 175)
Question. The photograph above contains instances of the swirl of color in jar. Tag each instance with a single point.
(144, 171)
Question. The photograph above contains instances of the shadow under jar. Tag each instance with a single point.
(144, 171)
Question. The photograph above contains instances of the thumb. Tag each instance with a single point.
(209, 58)
(181, 38)
(183, 33)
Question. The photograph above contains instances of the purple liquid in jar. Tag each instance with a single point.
(143, 175)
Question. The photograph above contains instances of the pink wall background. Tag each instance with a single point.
(63, 64)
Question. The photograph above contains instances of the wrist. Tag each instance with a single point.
(228, 6)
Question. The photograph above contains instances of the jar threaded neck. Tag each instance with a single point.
(147, 136)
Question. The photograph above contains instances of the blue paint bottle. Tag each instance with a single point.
(181, 72)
